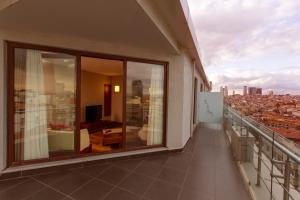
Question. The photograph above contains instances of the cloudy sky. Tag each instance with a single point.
(250, 42)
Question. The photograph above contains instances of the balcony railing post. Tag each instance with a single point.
(272, 165)
(232, 121)
(296, 176)
(241, 124)
(246, 146)
(286, 184)
(259, 161)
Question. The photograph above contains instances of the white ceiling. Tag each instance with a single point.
(115, 21)
(102, 66)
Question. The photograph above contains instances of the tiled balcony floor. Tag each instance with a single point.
(203, 171)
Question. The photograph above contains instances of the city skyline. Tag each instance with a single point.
(259, 48)
(245, 90)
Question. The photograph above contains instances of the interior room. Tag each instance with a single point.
(101, 118)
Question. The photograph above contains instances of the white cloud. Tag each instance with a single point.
(284, 80)
(232, 31)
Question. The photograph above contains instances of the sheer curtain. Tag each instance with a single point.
(35, 128)
(155, 124)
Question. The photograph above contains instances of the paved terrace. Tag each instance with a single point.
(205, 170)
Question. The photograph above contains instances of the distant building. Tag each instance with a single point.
(233, 92)
(222, 90)
(245, 91)
(252, 91)
(271, 92)
(137, 88)
(226, 91)
(259, 91)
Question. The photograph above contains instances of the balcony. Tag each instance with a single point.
(235, 160)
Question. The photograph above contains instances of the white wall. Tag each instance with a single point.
(200, 81)
(188, 95)
(179, 84)
(175, 102)
(181, 97)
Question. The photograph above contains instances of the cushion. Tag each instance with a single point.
(84, 139)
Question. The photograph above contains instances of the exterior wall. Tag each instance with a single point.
(188, 94)
(175, 101)
(179, 80)
(200, 81)
(189, 74)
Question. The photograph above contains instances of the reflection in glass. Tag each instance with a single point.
(44, 102)
(144, 104)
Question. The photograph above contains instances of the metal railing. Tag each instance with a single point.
(270, 162)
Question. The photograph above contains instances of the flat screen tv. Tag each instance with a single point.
(93, 113)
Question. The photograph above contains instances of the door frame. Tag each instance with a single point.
(110, 93)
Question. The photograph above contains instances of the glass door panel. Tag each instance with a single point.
(44, 104)
(144, 104)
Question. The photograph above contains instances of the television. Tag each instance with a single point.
(93, 113)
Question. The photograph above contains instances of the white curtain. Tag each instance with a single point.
(155, 124)
(35, 129)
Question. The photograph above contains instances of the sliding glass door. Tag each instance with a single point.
(50, 91)
(44, 104)
(144, 104)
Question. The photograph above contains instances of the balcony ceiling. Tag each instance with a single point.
(114, 21)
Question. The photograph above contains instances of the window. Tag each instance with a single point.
(144, 104)
(44, 102)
